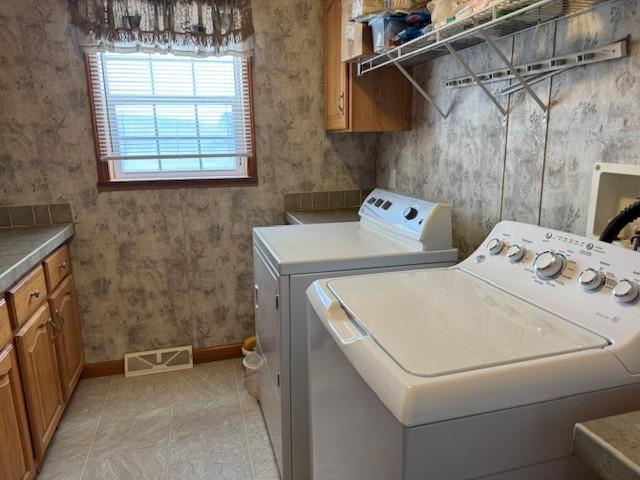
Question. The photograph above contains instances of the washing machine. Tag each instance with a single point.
(395, 232)
(480, 370)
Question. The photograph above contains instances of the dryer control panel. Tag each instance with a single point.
(408, 218)
(587, 282)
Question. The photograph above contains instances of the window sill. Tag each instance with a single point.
(121, 185)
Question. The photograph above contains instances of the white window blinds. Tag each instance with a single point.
(159, 113)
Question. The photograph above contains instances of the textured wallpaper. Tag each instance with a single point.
(165, 267)
(531, 169)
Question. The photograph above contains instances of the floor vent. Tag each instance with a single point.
(158, 361)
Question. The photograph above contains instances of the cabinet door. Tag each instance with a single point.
(68, 335)
(269, 395)
(380, 101)
(267, 315)
(40, 377)
(269, 347)
(335, 71)
(16, 457)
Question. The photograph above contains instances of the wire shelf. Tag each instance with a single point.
(501, 19)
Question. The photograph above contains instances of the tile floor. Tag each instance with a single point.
(198, 424)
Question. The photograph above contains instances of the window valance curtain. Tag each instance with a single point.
(195, 27)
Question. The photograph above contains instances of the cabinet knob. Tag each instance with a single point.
(62, 266)
(35, 293)
(341, 103)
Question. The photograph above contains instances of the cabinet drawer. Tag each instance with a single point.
(5, 325)
(25, 298)
(56, 267)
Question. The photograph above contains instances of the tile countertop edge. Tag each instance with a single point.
(602, 457)
(337, 215)
(291, 219)
(11, 276)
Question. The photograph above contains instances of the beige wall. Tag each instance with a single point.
(168, 267)
(533, 169)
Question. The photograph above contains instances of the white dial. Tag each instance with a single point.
(516, 253)
(495, 246)
(549, 265)
(592, 280)
(626, 291)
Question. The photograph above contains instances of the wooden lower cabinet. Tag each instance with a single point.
(68, 333)
(16, 456)
(40, 378)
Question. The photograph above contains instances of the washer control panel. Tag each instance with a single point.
(590, 283)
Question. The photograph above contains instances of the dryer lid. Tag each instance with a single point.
(438, 322)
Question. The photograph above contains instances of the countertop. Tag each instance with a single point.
(610, 446)
(322, 216)
(22, 248)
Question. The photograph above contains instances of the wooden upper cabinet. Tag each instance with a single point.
(40, 377)
(69, 345)
(379, 101)
(16, 456)
(336, 73)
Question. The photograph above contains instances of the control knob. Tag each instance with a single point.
(626, 291)
(549, 265)
(495, 246)
(516, 253)
(592, 279)
(410, 213)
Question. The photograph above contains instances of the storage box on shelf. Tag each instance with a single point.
(356, 37)
(376, 103)
(364, 10)
(384, 29)
(41, 358)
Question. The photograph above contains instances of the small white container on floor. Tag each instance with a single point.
(252, 362)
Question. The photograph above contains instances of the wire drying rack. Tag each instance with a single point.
(486, 26)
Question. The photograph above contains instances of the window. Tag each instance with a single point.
(171, 120)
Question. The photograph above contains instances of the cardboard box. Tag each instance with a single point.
(356, 37)
(362, 9)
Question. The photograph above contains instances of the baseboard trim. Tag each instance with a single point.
(213, 354)
(201, 355)
(103, 369)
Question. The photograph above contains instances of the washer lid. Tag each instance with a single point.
(438, 322)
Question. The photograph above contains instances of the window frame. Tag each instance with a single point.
(105, 170)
